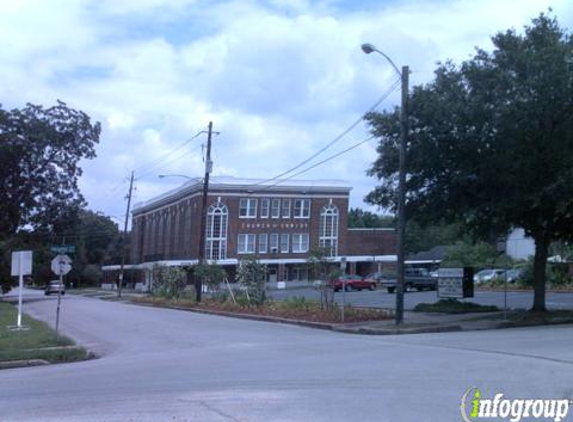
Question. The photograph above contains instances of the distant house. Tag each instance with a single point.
(430, 258)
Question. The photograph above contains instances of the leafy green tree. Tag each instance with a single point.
(478, 255)
(490, 142)
(211, 274)
(253, 276)
(423, 236)
(40, 151)
(358, 218)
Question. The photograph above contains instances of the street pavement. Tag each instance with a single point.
(161, 365)
(383, 299)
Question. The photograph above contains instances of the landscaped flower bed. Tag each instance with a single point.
(299, 309)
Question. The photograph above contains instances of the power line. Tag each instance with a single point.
(337, 138)
(157, 161)
(332, 157)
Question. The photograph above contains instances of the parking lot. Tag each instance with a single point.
(383, 299)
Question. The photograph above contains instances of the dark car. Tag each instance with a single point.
(54, 286)
(353, 282)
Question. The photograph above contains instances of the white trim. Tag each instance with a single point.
(234, 261)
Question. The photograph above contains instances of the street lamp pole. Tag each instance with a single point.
(401, 226)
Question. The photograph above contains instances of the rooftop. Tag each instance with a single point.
(256, 187)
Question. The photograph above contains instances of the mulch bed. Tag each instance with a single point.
(310, 312)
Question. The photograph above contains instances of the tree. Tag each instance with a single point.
(491, 142)
(325, 272)
(358, 218)
(40, 151)
(253, 276)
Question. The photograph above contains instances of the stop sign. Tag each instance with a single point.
(61, 264)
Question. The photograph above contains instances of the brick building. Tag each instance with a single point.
(279, 224)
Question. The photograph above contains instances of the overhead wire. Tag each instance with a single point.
(386, 94)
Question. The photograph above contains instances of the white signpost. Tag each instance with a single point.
(61, 265)
(21, 266)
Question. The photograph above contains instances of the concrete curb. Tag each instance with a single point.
(9, 364)
(338, 327)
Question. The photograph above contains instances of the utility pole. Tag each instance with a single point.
(208, 169)
(402, 196)
(123, 240)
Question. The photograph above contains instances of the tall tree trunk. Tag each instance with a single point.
(539, 265)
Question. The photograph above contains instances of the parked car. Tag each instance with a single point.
(512, 275)
(54, 286)
(353, 282)
(488, 274)
(414, 279)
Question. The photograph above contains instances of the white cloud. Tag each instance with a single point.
(279, 79)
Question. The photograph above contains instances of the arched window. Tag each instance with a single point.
(216, 236)
(328, 230)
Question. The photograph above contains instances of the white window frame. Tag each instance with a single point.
(263, 244)
(249, 206)
(275, 208)
(302, 210)
(285, 208)
(246, 243)
(284, 245)
(300, 242)
(274, 243)
(216, 240)
(328, 229)
(265, 207)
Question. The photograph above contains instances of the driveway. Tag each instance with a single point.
(165, 365)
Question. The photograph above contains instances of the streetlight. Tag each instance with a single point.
(369, 48)
(163, 176)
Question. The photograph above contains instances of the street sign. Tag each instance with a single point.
(455, 282)
(21, 266)
(21, 263)
(61, 265)
(63, 249)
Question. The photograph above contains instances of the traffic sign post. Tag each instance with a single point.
(61, 265)
(21, 266)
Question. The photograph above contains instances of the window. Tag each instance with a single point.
(265, 207)
(275, 208)
(301, 208)
(216, 236)
(284, 242)
(246, 244)
(328, 230)
(300, 243)
(286, 208)
(274, 242)
(247, 208)
(263, 238)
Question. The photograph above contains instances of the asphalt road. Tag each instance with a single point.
(383, 299)
(168, 366)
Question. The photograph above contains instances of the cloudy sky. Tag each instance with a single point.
(280, 79)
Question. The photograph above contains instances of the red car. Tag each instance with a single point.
(353, 282)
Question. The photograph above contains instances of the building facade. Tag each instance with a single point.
(279, 224)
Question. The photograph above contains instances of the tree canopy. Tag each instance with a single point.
(40, 149)
(490, 142)
(359, 218)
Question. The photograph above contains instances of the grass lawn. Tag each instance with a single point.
(33, 343)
